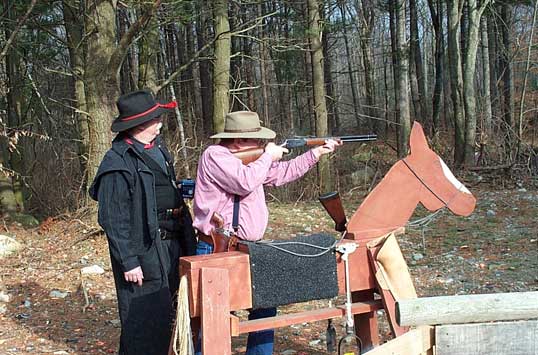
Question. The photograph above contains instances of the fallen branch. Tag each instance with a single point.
(93, 232)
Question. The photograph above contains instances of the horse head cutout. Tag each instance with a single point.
(422, 177)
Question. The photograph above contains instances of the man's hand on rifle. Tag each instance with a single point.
(275, 151)
(329, 147)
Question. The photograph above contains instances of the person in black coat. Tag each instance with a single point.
(146, 221)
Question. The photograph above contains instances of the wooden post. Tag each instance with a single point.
(366, 323)
(467, 308)
(216, 337)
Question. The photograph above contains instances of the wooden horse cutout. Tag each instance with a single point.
(221, 283)
(420, 177)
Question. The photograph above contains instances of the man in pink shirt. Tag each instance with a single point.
(222, 178)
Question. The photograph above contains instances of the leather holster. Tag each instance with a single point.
(222, 243)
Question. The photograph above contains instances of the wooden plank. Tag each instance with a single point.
(389, 302)
(215, 312)
(238, 266)
(302, 317)
(414, 342)
(234, 325)
(360, 275)
(499, 338)
(467, 308)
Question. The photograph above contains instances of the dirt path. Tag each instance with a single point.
(493, 250)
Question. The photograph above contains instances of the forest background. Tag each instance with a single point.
(466, 69)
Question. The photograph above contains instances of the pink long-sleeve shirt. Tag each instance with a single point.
(221, 176)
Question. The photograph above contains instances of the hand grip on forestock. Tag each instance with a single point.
(333, 205)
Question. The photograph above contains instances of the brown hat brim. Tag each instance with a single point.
(263, 133)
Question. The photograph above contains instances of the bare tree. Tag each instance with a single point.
(403, 79)
(456, 78)
(487, 115)
(469, 92)
(436, 10)
(318, 83)
(221, 66)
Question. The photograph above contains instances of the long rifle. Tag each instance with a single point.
(252, 154)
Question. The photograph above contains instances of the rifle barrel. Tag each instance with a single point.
(358, 138)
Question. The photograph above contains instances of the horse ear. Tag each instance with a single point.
(417, 140)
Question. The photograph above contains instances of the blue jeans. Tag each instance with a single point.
(258, 343)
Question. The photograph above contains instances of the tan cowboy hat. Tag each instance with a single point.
(244, 124)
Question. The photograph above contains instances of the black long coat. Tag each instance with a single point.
(124, 187)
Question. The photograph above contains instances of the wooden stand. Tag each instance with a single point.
(220, 283)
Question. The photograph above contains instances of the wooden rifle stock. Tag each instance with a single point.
(247, 156)
(333, 205)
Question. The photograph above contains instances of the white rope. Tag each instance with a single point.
(277, 245)
(182, 343)
(424, 221)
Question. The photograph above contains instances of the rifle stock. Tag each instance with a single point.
(333, 205)
(247, 156)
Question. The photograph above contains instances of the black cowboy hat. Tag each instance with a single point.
(138, 107)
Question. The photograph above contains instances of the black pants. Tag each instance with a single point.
(147, 312)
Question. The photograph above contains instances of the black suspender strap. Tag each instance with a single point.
(235, 218)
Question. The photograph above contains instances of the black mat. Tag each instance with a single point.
(280, 278)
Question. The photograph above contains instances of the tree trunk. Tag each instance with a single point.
(263, 74)
(365, 32)
(72, 12)
(403, 79)
(221, 68)
(525, 79)
(149, 54)
(424, 102)
(353, 85)
(393, 19)
(436, 10)
(505, 67)
(456, 80)
(129, 73)
(178, 116)
(15, 103)
(101, 85)
(469, 93)
(327, 73)
(204, 71)
(493, 48)
(487, 119)
(318, 83)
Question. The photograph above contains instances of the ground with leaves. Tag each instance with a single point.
(48, 307)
